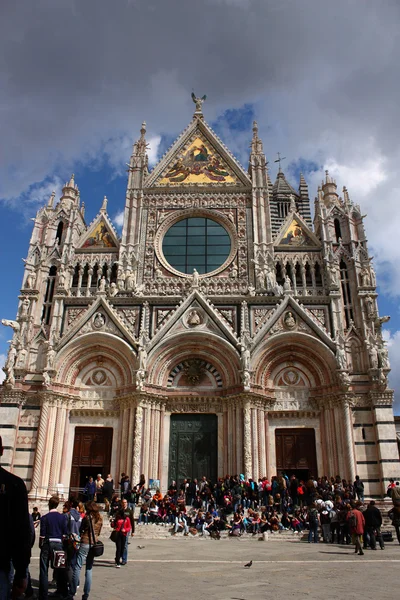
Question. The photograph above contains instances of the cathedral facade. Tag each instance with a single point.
(225, 332)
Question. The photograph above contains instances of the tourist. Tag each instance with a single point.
(36, 517)
(373, 522)
(53, 529)
(99, 488)
(395, 494)
(72, 541)
(359, 488)
(108, 490)
(92, 522)
(129, 514)
(313, 520)
(356, 522)
(394, 515)
(90, 489)
(15, 533)
(122, 526)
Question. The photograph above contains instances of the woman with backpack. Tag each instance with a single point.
(90, 528)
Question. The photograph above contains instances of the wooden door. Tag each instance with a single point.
(91, 454)
(295, 450)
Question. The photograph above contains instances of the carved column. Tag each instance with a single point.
(57, 448)
(267, 439)
(47, 459)
(328, 443)
(248, 466)
(39, 452)
(231, 466)
(146, 441)
(156, 443)
(124, 422)
(349, 444)
(254, 438)
(129, 448)
(137, 444)
(262, 457)
(238, 439)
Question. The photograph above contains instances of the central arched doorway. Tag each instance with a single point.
(193, 447)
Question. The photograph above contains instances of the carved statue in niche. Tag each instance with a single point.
(129, 281)
(332, 273)
(245, 357)
(369, 307)
(99, 320)
(158, 273)
(140, 378)
(102, 284)
(194, 318)
(384, 358)
(365, 277)
(120, 278)
(289, 320)
(246, 380)
(61, 277)
(373, 356)
(270, 281)
(287, 286)
(195, 279)
(9, 365)
(341, 357)
(113, 290)
(142, 358)
(24, 308)
(30, 281)
(251, 290)
(51, 355)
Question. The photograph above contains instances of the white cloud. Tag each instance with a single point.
(3, 358)
(393, 343)
(152, 151)
(119, 219)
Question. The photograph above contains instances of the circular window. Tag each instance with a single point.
(196, 243)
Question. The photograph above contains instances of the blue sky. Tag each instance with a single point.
(79, 78)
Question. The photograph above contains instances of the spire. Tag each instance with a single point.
(70, 191)
(304, 202)
(256, 143)
(346, 197)
(329, 188)
(104, 205)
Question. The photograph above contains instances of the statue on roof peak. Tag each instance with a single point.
(199, 102)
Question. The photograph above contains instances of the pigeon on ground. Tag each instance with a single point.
(248, 565)
(141, 547)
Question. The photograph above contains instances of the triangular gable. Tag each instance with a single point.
(198, 315)
(290, 316)
(294, 233)
(107, 321)
(198, 157)
(100, 236)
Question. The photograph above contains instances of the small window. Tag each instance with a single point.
(338, 231)
(59, 232)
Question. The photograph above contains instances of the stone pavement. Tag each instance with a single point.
(190, 569)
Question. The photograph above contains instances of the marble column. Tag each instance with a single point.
(248, 466)
(267, 439)
(40, 452)
(262, 456)
(254, 439)
(129, 447)
(57, 449)
(137, 444)
(349, 443)
(239, 439)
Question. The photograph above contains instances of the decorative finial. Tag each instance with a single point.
(143, 129)
(51, 199)
(279, 160)
(199, 103)
(104, 205)
(255, 129)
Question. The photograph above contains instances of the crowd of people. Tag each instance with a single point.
(329, 509)
(332, 509)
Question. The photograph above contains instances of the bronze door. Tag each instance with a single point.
(193, 447)
(295, 451)
(91, 455)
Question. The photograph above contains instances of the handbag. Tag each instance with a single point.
(97, 548)
(114, 536)
(58, 559)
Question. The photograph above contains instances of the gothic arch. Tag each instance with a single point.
(78, 361)
(314, 362)
(195, 372)
(184, 346)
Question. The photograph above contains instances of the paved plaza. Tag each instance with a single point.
(194, 569)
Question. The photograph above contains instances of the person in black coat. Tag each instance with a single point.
(373, 522)
(15, 532)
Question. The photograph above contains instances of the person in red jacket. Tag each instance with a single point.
(356, 522)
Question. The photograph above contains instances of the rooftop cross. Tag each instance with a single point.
(279, 160)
